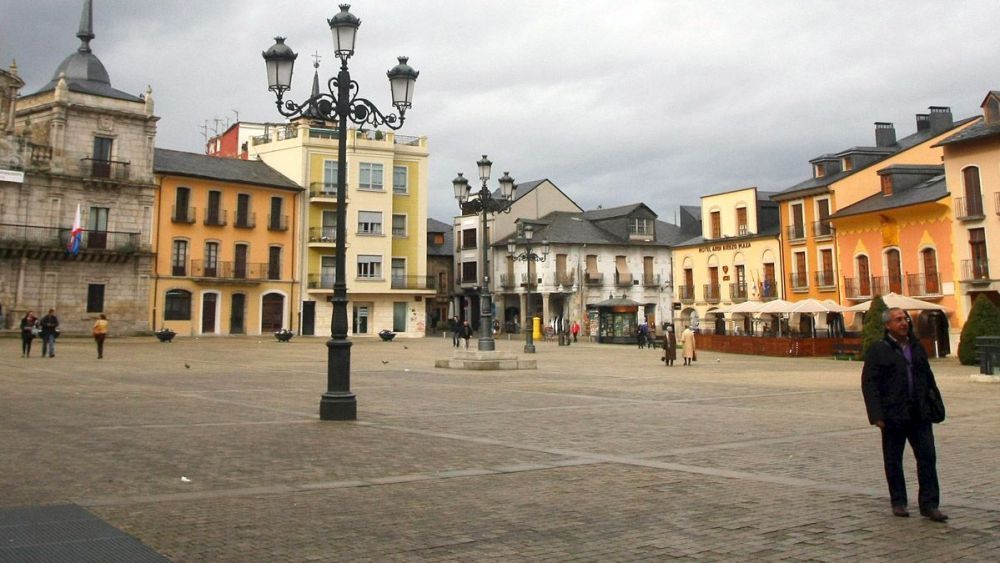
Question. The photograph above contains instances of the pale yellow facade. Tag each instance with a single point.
(386, 225)
(737, 258)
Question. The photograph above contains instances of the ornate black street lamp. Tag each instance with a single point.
(484, 204)
(341, 104)
(525, 234)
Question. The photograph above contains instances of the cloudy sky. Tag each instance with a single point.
(615, 102)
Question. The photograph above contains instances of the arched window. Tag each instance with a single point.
(177, 306)
(864, 277)
(932, 283)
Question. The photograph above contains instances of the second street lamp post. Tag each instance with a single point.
(526, 232)
(341, 104)
(485, 204)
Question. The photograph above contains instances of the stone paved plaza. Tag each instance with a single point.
(602, 454)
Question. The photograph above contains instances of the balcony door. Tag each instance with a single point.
(97, 232)
(929, 258)
(101, 165)
(895, 271)
(864, 277)
(240, 265)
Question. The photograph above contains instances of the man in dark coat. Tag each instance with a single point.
(50, 328)
(896, 381)
(455, 327)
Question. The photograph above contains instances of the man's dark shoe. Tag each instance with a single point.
(900, 511)
(934, 515)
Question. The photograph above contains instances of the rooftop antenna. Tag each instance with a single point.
(204, 133)
(237, 113)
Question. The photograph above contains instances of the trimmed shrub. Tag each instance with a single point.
(984, 320)
(874, 330)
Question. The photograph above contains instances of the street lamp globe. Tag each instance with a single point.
(484, 168)
(461, 186)
(507, 186)
(402, 80)
(279, 59)
(344, 28)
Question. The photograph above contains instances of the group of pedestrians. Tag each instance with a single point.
(47, 328)
(688, 352)
(460, 330)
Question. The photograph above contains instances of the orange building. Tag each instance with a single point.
(225, 243)
(900, 240)
(808, 245)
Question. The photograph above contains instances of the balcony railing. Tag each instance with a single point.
(412, 282)
(565, 279)
(923, 285)
(623, 279)
(651, 280)
(322, 234)
(768, 290)
(975, 270)
(685, 293)
(798, 280)
(245, 221)
(882, 285)
(321, 281)
(826, 278)
(323, 189)
(215, 217)
(277, 222)
(822, 229)
(253, 271)
(593, 278)
(711, 292)
(858, 288)
(535, 280)
(182, 214)
(738, 292)
(967, 209)
(507, 281)
(56, 238)
(796, 232)
(110, 169)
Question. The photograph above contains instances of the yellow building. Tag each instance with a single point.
(387, 224)
(224, 237)
(808, 246)
(735, 259)
(972, 169)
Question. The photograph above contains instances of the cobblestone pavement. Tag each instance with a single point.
(603, 453)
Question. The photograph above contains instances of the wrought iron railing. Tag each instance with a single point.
(323, 189)
(650, 280)
(215, 217)
(111, 169)
(738, 292)
(321, 281)
(182, 214)
(882, 285)
(858, 288)
(798, 280)
(245, 220)
(796, 232)
(711, 291)
(507, 281)
(768, 290)
(623, 279)
(826, 278)
(254, 271)
(565, 278)
(975, 270)
(29, 236)
(593, 278)
(412, 282)
(685, 293)
(967, 209)
(322, 234)
(922, 285)
(277, 222)
(822, 229)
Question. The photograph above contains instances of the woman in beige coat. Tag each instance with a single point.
(687, 340)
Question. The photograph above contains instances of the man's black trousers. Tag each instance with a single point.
(920, 435)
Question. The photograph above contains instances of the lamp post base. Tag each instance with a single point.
(529, 348)
(487, 344)
(338, 406)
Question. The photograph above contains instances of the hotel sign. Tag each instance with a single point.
(725, 246)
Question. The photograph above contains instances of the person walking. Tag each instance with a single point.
(456, 331)
(29, 326)
(687, 341)
(669, 346)
(100, 332)
(575, 329)
(902, 400)
(50, 326)
(466, 331)
(643, 333)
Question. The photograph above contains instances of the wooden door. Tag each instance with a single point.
(208, 307)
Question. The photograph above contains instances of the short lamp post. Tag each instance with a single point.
(525, 234)
(341, 104)
(485, 204)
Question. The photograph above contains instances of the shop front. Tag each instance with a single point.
(617, 320)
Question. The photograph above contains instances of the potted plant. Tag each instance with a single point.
(283, 335)
(165, 335)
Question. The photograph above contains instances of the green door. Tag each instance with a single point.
(399, 317)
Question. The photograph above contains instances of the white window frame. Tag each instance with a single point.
(330, 177)
(367, 224)
(403, 231)
(369, 267)
(368, 173)
(403, 188)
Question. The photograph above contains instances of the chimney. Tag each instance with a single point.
(885, 134)
(923, 122)
(941, 119)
